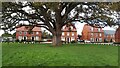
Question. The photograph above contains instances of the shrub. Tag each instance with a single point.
(17, 40)
(116, 42)
(73, 41)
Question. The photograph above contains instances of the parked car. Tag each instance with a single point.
(80, 40)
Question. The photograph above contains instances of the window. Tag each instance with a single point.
(20, 37)
(67, 33)
(98, 29)
(72, 33)
(100, 34)
(62, 33)
(96, 35)
(25, 33)
(20, 32)
(72, 38)
(63, 38)
(92, 39)
(37, 38)
(100, 39)
(91, 28)
(92, 34)
(37, 32)
(71, 27)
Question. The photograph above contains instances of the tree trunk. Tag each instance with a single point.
(57, 39)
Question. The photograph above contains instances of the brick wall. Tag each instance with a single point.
(117, 35)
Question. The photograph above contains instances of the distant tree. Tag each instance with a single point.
(44, 34)
(14, 35)
(6, 35)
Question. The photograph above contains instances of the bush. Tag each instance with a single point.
(63, 41)
(116, 42)
(37, 41)
(17, 40)
(73, 41)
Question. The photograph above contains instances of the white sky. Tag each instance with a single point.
(79, 26)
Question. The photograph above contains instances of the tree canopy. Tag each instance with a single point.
(54, 15)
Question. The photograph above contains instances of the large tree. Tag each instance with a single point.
(53, 15)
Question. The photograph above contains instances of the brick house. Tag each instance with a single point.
(92, 34)
(109, 36)
(23, 33)
(69, 33)
(117, 35)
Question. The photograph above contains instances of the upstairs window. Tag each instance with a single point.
(68, 34)
(72, 33)
(20, 32)
(92, 34)
(98, 29)
(37, 32)
(100, 34)
(91, 28)
(25, 33)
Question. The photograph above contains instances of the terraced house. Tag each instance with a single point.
(92, 34)
(23, 33)
(69, 33)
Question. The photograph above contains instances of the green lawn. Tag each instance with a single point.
(16, 54)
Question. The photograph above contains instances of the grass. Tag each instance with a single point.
(0, 54)
(16, 54)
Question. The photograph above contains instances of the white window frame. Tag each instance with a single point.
(68, 34)
(98, 29)
(37, 32)
(20, 38)
(37, 38)
(63, 38)
(100, 35)
(72, 38)
(71, 27)
(92, 29)
(62, 33)
(73, 34)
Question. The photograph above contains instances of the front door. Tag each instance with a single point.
(24, 38)
(68, 40)
(32, 38)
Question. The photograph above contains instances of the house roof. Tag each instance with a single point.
(106, 32)
(26, 28)
(69, 27)
(91, 28)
